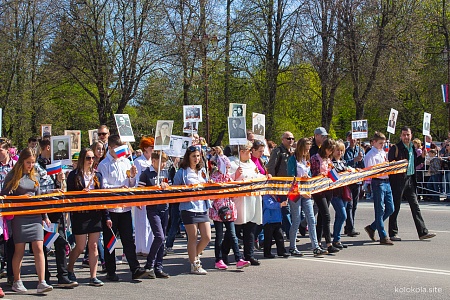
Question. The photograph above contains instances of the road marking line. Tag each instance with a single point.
(382, 266)
(441, 231)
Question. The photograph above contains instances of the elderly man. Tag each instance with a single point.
(320, 135)
(277, 166)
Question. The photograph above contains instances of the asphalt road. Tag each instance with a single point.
(411, 269)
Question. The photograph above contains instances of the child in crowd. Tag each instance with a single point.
(272, 219)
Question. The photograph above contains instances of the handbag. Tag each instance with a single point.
(225, 213)
(347, 194)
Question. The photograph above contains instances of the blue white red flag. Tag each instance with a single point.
(50, 238)
(445, 92)
(386, 147)
(427, 146)
(333, 175)
(53, 169)
(112, 244)
(121, 151)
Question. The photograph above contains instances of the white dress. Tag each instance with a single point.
(142, 229)
(249, 208)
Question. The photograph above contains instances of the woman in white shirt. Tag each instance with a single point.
(249, 208)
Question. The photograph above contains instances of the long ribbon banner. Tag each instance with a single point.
(114, 198)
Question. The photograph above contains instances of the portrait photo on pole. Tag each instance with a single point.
(163, 133)
(60, 149)
(237, 131)
(392, 121)
(259, 125)
(360, 129)
(192, 113)
(178, 145)
(46, 130)
(426, 123)
(124, 127)
(190, 127)
(75, 140)
(237, 110)
(93, 136)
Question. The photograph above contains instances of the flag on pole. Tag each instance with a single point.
(50, 238)
(445, 92)
(112, 243)
(386, 147)
(333, 175)
(428, 146)
(53, 169)
(121, 151)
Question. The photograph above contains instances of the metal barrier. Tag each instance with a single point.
(434, 187)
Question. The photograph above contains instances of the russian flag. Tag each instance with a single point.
(112, 244)
(50, 238)
(333, 175)
(386, 147)
(53, 169)
(445, 92)
(121, 151)
(427, 146)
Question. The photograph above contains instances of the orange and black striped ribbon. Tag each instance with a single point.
(114, 198)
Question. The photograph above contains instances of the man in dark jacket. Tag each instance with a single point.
(320, 135)
(404, 185)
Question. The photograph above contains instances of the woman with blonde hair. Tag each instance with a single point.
(22, 180)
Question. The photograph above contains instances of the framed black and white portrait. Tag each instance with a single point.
(60, 147)
(124, 127)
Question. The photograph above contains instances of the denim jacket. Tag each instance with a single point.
(181, 179)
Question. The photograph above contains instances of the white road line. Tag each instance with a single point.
(381, 266)
(440, 231)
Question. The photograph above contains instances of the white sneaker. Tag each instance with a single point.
(196, 268)
(43, 287)
(18, 287)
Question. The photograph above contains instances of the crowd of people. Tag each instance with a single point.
(256, 221)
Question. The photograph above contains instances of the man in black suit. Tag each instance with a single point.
(258, 129)
(61, 153)
(392, 121)
(235, 130)
(124, 128)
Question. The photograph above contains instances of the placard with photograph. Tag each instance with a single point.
(190, 127)
(60, 149)
(426, 123)
(163, 132)
(178, 145)
(192, 113)
(124, 127)
(237, 131)
(259, 125)
(75, 139)
(93, 136)
(46, 130)
(392, 121)
(360, 129)
(237, 110)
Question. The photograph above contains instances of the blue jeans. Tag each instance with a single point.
(339, 206)
(175, 221)
(434, 184)
(383, 204)
(305, 204)
(223, 243)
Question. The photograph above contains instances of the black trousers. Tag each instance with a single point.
(351, 208)
(322, 201)
(60, 255)
(121, 223)
(248, 230)
(273, 230)
(406, 190)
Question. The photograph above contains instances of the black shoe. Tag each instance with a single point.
(370, 232)
(339, 245)
(253, 261)
(353, 233)
(332, 249)
(66, 283)
(284, 255)
(139, 273)
(112, 277)
(150, 272)
(161, 274)
(269, 256)
(10, 281)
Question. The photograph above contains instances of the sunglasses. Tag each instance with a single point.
(89, 157)
(102, 133)
(290, 138)
(193, 148)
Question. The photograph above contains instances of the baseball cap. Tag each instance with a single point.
(75, 156)
(321, 131)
